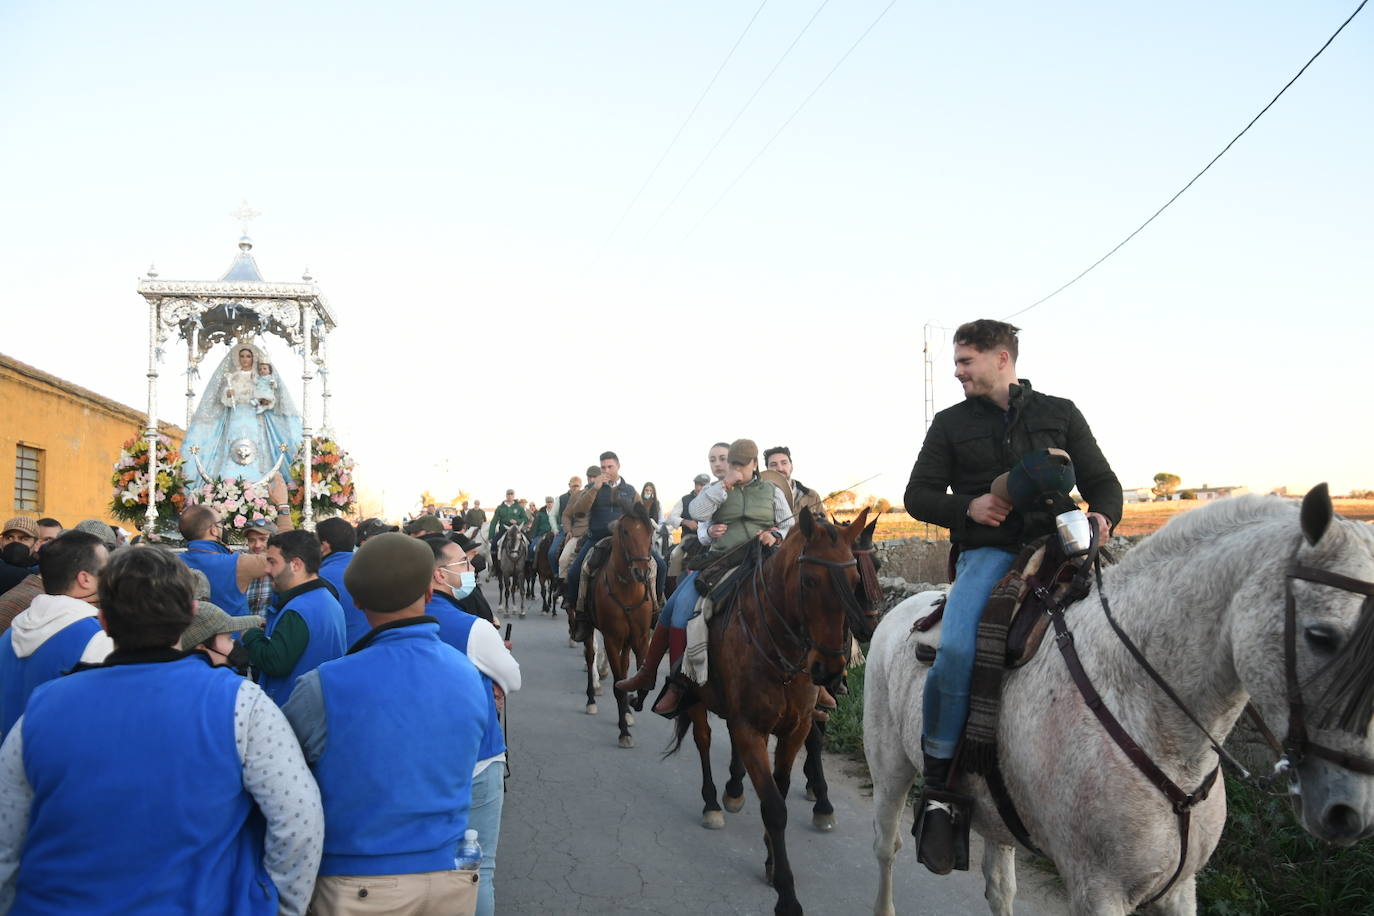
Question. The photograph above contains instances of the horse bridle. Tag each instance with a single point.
(802, 640)
(630, 560)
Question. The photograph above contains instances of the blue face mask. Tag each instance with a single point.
(468, 584)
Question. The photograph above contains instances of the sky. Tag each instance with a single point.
(527, 268)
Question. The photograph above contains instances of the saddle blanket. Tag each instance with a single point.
(695, 661)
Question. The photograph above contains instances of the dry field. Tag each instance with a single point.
(1138, 518)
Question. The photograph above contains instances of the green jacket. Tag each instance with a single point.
(747, 511)
(542, 525)
(970, 444)
(503, 516)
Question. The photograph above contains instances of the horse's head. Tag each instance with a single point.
(826, 584)
(634, 542)
(1324, 636)
(868, 595)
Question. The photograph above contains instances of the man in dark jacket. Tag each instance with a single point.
(605, 501)
(1001, 420)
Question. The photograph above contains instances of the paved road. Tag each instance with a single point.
(590, 827)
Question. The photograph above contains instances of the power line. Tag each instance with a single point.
(783, 126)
(685, 121)
(1191, 181)
(735, 119)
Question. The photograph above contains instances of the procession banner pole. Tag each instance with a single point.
(154, 320)
(307, 516)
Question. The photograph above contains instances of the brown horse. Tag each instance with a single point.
(548, 576)
(623, 601)
(786, 630)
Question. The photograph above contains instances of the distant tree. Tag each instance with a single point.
(1188, 494)
(840, 499)
(1362, 494)
(882, 506)
(426, 500)
(1165, 483)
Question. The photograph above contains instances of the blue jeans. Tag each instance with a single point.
(945, 703)
(484, 816)
(679, 608)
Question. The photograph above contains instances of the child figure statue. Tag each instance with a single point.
(264, 388)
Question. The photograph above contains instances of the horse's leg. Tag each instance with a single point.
(589, 656)
(734, 787)
(711, 818)
(892, 775)
(999, 877)
(822, 812)
(598, 658)
(615, 655)
(753, 750)
(1181, 899)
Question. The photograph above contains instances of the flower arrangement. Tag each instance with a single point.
(238, 503)
(331, 480)
(129, 501)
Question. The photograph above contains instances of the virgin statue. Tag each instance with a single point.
(246, 425)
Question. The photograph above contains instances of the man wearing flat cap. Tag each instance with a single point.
(392, 731)
(1000, 421)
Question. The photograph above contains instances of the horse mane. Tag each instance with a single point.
(1183, 532)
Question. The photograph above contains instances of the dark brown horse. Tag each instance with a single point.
(622, 597)
(786, 630)
(547, 574)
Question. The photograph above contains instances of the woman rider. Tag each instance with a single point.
(739, 507)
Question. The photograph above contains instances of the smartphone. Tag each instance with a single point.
(508, 626)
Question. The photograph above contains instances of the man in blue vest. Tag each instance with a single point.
(230, 574)
(454, 580)
(338, 540)
(306, 626)
(605, 501)
(393, 731)
(59, 629)
(157, 782)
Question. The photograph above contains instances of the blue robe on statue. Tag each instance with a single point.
(239, 430)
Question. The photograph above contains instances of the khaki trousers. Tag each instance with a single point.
(565, 561)
(434, 893)
(676, 558)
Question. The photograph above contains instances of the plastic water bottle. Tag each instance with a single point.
(469, 853)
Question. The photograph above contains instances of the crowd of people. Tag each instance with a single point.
(310, 724)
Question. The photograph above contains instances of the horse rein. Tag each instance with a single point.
(803, 640)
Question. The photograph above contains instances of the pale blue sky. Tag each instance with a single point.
(451, 172)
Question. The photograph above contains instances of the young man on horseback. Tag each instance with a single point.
(604, 502)
(507, 513)
(1001, 420)
(735, 509)
(779, 458)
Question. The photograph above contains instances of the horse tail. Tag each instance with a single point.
(681, 725)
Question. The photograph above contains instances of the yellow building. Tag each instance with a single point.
(58, 445)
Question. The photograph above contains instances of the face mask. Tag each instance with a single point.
(238, 659)
(467, 584)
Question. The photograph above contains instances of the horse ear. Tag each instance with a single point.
(807, 523)
(872, 529)
(1316, 513)
(856, 526)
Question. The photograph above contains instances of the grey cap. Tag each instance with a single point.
(211, 620)
(701, 478)
(98, 528)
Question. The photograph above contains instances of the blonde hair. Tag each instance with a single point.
(575, 481)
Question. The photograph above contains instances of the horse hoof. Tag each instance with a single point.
(713, 820)
(571, 644)
(810, 794)
(629, 718)
(627, 741)
(734, 805)
(823, 822)
(591, 709)
(597, 690)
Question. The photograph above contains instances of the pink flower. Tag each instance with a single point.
(239, 521)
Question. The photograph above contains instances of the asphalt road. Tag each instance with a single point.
(589, 827)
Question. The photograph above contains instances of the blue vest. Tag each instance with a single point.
(355, 621)
(455, 624)
(324, 618)
(404, 717)
(607, 508)
(221, 567)
(20, 676)
(138, 797)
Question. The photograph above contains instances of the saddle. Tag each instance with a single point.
(596, 559)
(1041, 574)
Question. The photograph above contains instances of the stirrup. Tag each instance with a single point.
(942, 810)
(678, 685)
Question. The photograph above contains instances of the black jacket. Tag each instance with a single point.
(971, 443)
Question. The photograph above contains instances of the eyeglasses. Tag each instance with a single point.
(463, 562)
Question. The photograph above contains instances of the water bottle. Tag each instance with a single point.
(469, 853)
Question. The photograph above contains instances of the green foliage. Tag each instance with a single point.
(1166, 483)
(845, 730)
(1267, 864)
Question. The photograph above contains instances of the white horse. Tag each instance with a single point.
(1205, 601)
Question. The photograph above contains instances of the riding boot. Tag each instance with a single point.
(669, 585)
(935, 819)
(647, 675)
(672, 693)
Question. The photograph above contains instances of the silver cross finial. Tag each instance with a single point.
(245, 215)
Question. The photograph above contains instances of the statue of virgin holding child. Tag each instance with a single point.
(247, 425)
